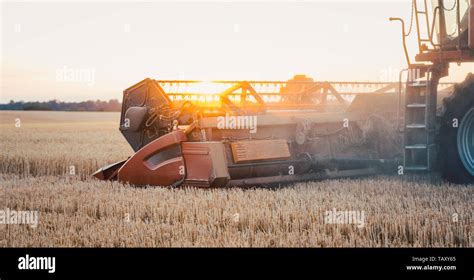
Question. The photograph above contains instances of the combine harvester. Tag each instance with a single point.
(258, 133)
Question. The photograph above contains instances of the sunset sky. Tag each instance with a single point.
(82, 51)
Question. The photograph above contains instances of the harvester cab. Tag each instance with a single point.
(442, 31)
(451, 24)
(452, 28)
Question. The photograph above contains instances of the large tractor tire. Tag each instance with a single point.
(457, 134)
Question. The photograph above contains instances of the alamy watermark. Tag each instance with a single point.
(348, 217)
(37, 263)
(237, 122)
(13, 217)
(76, 75)
(392, 74)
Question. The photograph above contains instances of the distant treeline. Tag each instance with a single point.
(54, 105)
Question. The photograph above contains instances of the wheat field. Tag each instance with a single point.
(77, 211)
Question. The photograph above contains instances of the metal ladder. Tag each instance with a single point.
(419, 129)
(424, 13)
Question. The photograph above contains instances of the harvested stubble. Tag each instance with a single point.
(50, 143)
(96, 213)
(79, 211)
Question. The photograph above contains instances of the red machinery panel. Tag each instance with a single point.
(160, 163)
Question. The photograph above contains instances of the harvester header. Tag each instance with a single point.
(227, 133)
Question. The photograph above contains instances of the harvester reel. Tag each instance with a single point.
(245, 108)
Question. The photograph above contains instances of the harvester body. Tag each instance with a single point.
(248, 133)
